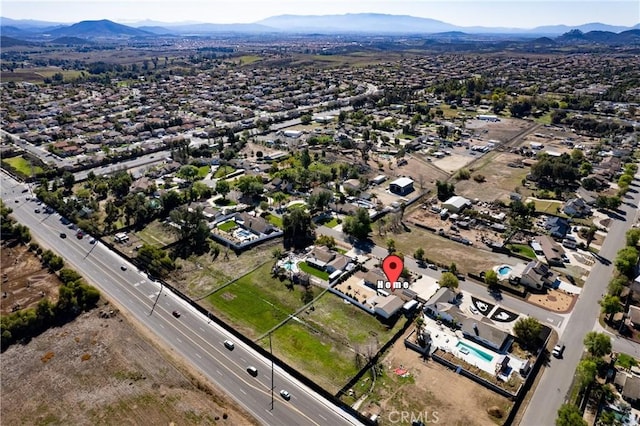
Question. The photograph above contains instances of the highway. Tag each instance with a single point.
(191, 336)
(557, 378)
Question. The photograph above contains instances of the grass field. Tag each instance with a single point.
(325, 361)
(548, 206)
(313, 271)
(248, 59)
(22, 165)
(157, 234)
(37, 75)
(329, 223)
(257, 301)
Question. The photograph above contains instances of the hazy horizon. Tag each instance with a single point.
(496, 13)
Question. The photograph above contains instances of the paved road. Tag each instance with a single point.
(191, 336)
(556, 380)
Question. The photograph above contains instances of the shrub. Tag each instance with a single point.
(479, 178)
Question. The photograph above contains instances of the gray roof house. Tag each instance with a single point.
(486, 335)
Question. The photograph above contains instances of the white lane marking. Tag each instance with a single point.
(201, 329)
(161, 325)
(243, 360)
(243, 392)
(218, 371)
(179, 339)
(323, 417)
(198, 355)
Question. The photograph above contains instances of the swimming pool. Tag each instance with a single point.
(466, 349)
(504, 270)
(289, 266)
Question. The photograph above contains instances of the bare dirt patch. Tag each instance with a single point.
(24, 280)
(554, 300)
(100, 371)
(431, 389)
(443, 251)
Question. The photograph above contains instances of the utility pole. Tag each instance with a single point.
(271, 351)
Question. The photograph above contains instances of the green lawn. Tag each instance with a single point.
(549, 206)
(523, 250)
(405, 136)
(203, 171)
(329, 223)
(249, 59)
(223, 171)
(275, 220)
(227, 226)
(21, 165)
(313, 271)
(256, 302)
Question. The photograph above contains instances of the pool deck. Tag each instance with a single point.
(446, 339)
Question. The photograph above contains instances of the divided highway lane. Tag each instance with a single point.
(191, 335)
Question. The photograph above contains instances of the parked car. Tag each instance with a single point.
(229, 345)
(558, 350)
(286, 395)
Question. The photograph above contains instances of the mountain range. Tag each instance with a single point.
(362, 23)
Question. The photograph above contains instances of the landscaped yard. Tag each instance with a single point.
(329, 222)
(549, 206)
(227, 226)
(223, 171)
(304, 267)
(523, 250)
(203, 171)
(257, 301)
(23, 166)
(275, 220)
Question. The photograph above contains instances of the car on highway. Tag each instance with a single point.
(253, 371)
(37, 211)
(92, 241)
(432, 266)
(17, 201)
(286, 395)
(79, 234)
(123, 267)
(229, 345)
(558, 350)
(176, 314)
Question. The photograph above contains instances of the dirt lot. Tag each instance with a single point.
(24, 280)
(100, 371)
(432, 390)
(444, 251)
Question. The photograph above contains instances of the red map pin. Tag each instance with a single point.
(392, 266)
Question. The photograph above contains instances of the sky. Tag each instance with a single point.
(495, 13)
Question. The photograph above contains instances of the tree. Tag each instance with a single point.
(68, 180)
(448, 280)
(193, 230)
(570, 415)
(223, 188)
(250, 186)
(527, 330)
(633, 237)
(590, 234)
(626, 261)
(391, 245)
(418, 255)
(188, 172)
(610, 305)
(156, 260)
(359, 225)
(306, 119)
(491, 278)
(586, 371)
(305, 159)
(598, 344)
(298, 228)
(327, 241)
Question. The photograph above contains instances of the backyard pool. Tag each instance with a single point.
(466, 349)
(504, 272)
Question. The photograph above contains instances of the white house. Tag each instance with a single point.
(401, 186)
(456, 204)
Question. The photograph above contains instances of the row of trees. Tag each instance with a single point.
(10, 229)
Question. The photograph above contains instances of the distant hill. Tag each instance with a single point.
(71, 41)
(99, 29)
(600, 37)
(357, 23)
(370, 23)
(10, 42)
